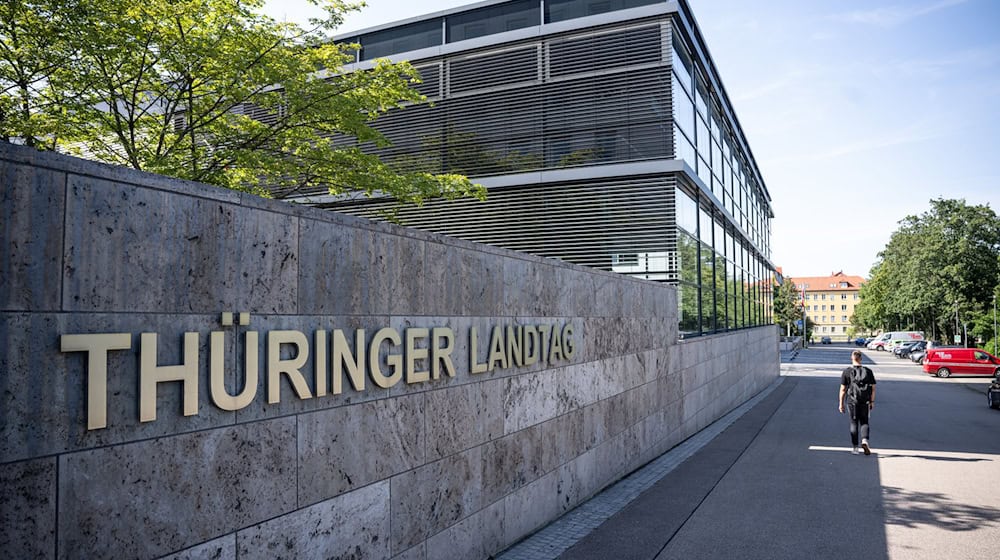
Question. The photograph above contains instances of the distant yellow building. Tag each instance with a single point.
(829, 302)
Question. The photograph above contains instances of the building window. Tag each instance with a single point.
(843, 308)
(843, 318)
(843, 296)
(401, 39)
(561, 10)
(823, 296)
(493, 19)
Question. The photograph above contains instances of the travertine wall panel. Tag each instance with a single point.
(460, 466)
(154, 497)
(30, 242)
(28, 507)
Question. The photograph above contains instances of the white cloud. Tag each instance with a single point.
(893, 16)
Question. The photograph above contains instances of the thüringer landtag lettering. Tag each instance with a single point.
(420, 354)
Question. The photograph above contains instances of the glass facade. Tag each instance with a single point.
(623, 92)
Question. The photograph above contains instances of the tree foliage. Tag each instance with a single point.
(206, 90)
(943, 262)
(787, 304)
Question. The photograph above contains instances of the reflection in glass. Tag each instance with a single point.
(687, 212)
(493, 19)
(687, 309)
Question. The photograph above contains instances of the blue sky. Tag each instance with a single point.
(858, 112)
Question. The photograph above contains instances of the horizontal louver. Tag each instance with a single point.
(490, 70)
(607, 50)
(611, 225)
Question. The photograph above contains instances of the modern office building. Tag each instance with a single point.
(604, 135)
(829, 302)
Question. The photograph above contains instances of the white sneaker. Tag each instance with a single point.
(854, 451)
(864, 445)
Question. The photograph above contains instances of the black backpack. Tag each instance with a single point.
(859, 391)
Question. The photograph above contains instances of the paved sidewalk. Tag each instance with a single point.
(776, 479)
(579, 525)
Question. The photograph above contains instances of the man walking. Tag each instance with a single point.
(857, 386)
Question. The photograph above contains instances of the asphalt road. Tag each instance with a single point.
(781, 482)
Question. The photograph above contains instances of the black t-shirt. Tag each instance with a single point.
(845, 377)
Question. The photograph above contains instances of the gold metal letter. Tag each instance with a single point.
(532, 350)
(474, 365)
(543, 332)
(497, 348)
(440, 353)
(557, 352)
(395, 361)
(319, 362)
(97, 347)
(151, 374)
(217, 351)
(515, 343)
(413, 354)
(342, 357)
(569, 346)
(290, 367)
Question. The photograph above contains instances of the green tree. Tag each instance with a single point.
(942, 263)
(787, 308)
(214, 91)
(35, 45)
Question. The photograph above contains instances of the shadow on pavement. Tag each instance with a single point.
(912, 509)
(932, 458)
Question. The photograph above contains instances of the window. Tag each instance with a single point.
(625, 259)
(843, 296)
(824, 308)
(843, 318)
(823, 296)
(683, 109)
(401, 39)
(687, 212)
(843, 308)
(561, 10)
(492, 19)
(681, 63)
(843, 329)
(855, 296)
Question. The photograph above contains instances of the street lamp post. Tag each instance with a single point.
(958, 330)
(994, 324)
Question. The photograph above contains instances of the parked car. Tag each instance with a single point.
(860, 341)
(826, 340)
(993, 393)
(944, 362)
(918, 356)
(882, 342)
(903, 351)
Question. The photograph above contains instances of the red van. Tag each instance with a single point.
(960, 361)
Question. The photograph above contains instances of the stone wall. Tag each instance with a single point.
(461, 466)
